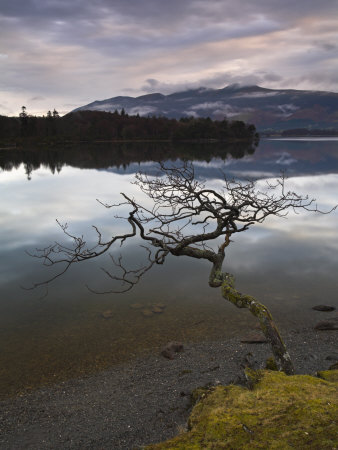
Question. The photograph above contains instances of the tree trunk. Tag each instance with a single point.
(225, 281)
(267, 324)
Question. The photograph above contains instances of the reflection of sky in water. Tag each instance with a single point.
(29, 210)
(290, 264)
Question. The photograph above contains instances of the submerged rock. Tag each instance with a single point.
(326, 325)
(254, 338)
(323, 308)
(172, 348)
(107, 314)
(147, 312)
(136, 306)
(157, 310)
(160, 305)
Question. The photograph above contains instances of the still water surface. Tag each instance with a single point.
(289, 264)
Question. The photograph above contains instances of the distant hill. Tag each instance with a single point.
(275, 109)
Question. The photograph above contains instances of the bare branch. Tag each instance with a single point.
(185, 215)
(129, 278)
(185, 219)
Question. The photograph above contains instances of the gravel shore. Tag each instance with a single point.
(144, 401)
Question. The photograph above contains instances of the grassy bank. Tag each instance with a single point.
(279, 412)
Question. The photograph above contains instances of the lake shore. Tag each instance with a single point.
(146, 400)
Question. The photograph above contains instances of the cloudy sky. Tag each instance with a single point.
(66, 53)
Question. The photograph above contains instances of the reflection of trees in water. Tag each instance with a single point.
(101, 156)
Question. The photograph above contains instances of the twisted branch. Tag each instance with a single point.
(186, 215)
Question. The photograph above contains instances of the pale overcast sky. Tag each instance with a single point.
(65, 53)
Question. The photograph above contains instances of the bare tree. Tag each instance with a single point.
(189, 219)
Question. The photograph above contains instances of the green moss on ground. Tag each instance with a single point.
(329, 375)
(280, 412)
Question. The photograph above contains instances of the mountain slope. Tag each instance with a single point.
(277, 109)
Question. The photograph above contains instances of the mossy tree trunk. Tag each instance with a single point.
(225, 281)
(267, 324)
(227, 284)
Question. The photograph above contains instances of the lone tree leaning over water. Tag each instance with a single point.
(186, 218)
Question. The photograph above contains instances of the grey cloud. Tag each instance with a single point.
(142, 110)
(37, 9)
(5, 108)
(121, 28)
(225, 112)
(255, 95)
(85, 49)
(218, 80)
(288, 10)
(111, 34)
(151, 84)
(153, 23)
(311, 58)
(321, 79)
(164, 13)
(108, 106)
(219, 109)
(329, 47)
(270, 76)
(72, 105)
(209, 105)
(37, 98)
(325, 45)
(191, 113)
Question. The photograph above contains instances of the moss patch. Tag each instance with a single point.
(281, 412)
(329, 375)
(271, 364)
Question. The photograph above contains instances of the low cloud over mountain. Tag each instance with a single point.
(277, 109)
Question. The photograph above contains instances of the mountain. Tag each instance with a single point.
(275, 109)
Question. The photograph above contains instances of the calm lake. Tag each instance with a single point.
(289, 264)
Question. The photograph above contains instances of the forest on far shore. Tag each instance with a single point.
(101, 126)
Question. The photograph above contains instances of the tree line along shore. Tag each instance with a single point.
(116, 126)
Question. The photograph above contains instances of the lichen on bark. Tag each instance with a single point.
(226, 282)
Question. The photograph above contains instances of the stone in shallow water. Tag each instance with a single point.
(136, 306)
(171, 348)
(254, 338)
(326, 325)
(156, 310)
(160, 305)
(147, 312)
(323, 308)
(107, 314)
